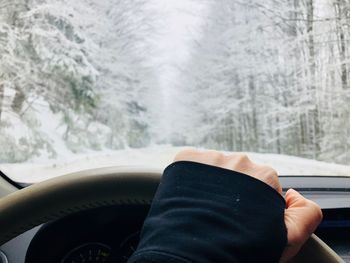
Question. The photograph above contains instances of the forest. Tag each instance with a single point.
(275, 78)
(260, 76)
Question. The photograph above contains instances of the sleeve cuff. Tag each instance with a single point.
(207, 214)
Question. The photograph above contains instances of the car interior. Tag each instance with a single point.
(91, 88)
(97, 215)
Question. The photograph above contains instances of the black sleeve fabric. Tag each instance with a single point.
(206, 214)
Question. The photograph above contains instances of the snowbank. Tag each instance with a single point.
(158, 157)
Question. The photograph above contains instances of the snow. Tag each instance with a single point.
(157, 157)
(109, 75)
(50, 125)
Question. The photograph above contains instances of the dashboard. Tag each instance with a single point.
(335, 231)
(111, 234)
(108, 234)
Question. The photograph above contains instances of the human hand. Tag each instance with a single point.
(302, 216)
(238, 162)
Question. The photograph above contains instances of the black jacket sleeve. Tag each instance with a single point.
(206, 214)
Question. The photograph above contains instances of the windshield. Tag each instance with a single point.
(87, 84)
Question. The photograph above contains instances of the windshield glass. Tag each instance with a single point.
(87, 84)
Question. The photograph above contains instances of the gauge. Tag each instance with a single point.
(3, 258)
(90, 252)
(129, 245)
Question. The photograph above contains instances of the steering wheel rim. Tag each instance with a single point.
(61, 196)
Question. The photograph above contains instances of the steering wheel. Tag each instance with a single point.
(61, 196)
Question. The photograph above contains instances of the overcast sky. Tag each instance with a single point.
(179, 27)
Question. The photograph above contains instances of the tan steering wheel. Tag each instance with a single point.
(61, 196)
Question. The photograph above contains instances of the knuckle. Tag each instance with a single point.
(242, 157)
(273, 173)
(268, 171)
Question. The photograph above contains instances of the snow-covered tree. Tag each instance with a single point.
(270, 77)
(88, 60)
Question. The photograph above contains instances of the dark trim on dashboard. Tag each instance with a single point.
(314, 176)
(303, 183)
(318, 189)
(316, 183)
(8, 179)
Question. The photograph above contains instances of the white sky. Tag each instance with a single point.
(179, 27)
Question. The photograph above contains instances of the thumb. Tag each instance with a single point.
(302, 216)
(294, 199)
(301, 213)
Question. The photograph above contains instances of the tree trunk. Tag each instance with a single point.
(278, 135)
(311, 42)
(254, 122)
(314, 113)
(2, 94)
(17, 103)
(341, 44)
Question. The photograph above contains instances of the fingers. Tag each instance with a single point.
(302, 216)
(310, 215)
(235, 161)
(294, 200)
(206, 156)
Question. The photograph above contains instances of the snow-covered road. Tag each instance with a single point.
(157, 157)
